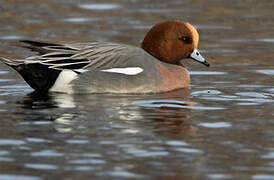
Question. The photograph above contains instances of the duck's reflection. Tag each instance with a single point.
(167, 114)
(37, 101)
(171, 111)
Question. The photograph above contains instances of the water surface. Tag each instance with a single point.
(220, 128)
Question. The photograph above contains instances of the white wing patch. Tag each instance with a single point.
(62, 82)
(81, 70)
(126, 71)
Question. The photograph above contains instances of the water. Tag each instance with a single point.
(222, 128)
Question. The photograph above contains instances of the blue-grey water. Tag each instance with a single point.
(220, 128)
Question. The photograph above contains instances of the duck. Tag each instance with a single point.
(103, 67)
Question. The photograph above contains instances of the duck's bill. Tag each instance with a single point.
(195, 55)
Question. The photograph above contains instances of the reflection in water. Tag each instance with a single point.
(170, 112)
(106, 127)
(38, 101)
(222, 130)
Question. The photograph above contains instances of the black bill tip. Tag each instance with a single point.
(206, 64)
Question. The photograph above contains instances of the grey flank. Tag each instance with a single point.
(88, 60)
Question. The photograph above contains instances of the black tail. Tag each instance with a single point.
(38, 76)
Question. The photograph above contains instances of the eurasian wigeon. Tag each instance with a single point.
(100, 67)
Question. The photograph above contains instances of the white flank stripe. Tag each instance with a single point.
(127, 70)
(62, 82)
(81, 70)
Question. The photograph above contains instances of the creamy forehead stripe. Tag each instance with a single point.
(127, 70)
(195, 34)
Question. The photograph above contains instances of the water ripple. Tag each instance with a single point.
(87, 161)
(216, 124)
(171, 104)
(3, 153)
(177, 143)
(84, 168)
(17, 177)
(207, 73)
(78, 20)
(3, 72)
(145, 153)
(11, 37)
(38, 140)
(219, 176)
(268, 156)
(121, 172)
(268, 40)
(77, 141)
(188, 150)
(47, 153)
(266, 71)
(251, 94)
(99, 6)
(6, 142)
(263, 177)
(41, 166)
(92, 155)
(6, 159)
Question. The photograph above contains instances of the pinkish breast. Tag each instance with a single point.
(173, 77)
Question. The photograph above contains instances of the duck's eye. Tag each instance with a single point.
(185, 39)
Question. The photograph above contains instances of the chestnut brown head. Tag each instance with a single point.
(172, 41)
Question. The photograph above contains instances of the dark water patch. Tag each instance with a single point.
(220, 128)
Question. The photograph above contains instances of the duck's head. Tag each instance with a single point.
(172, 41)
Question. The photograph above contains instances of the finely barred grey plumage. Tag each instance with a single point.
(88, 60)
(75, 56)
